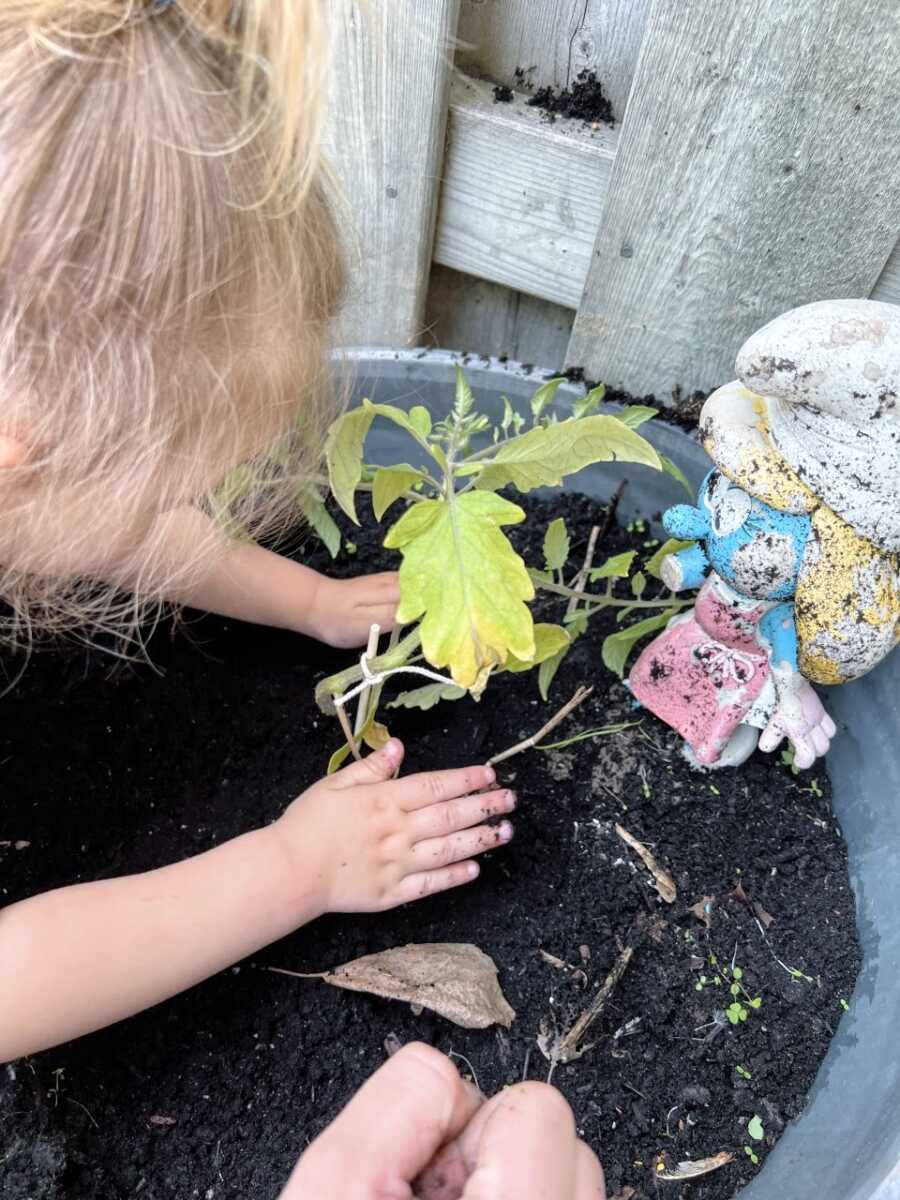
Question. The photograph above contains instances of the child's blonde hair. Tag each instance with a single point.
(169, 268)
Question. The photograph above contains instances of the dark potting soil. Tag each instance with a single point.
(583, 101)
(215, 1093)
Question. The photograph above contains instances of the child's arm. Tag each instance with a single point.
(81, 957)
(253, 584)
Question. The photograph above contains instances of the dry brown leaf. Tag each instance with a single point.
(161, 1121)
(454, 979)
(692, 1170)
(625, 1194)
(765, 918)
(702, 910)
(553, 960)
(665, 884)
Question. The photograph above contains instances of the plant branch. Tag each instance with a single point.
(530, 742)
(362, 708)
(601, 601)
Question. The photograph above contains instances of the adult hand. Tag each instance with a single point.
(416, 1131)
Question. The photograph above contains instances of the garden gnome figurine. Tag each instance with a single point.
(796, 538)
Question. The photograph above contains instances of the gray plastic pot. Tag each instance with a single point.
(846, 1146)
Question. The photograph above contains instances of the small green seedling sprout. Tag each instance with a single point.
(787, 758)
(844, 1005)
(743, 1072)
(755, 1128)
(742, 1003)
(752, 1155)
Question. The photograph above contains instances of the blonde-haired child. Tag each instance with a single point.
(169, 270)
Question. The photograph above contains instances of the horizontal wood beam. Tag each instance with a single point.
(521, 198)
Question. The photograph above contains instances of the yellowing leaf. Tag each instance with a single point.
(617, 567)
(544, 395)
(548, 641)
(463, 578)
(636, 414)
(374, 735)
(420, 419)
(676, 472)
(556, 545)
(344, 456)
(454, 979)
(389, 485)
(543, 456)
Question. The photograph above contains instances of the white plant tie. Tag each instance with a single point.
(372, 678)
(727, 660)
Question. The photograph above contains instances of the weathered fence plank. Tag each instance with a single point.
(387, 141)
(521, 197)
(553, 40)
(756, 170)
(478, 317)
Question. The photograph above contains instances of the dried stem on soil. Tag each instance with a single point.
(664, 882)
(530, 742)
(568, 1048)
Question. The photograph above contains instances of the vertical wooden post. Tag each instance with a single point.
(389, 112)
(757, 170)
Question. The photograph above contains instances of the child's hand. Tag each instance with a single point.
(365, 842)
(344, 610)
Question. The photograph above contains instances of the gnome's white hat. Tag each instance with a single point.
(830, 375)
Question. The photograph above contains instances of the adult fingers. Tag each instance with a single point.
(427, 883)
(440, 852)
(521, 1145)
(438, 819)
(589, 1181)
(434, 787)
(374, 768)
(389, 1131)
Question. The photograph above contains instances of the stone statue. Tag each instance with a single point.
(796, 539)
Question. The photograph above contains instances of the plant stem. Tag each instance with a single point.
(599, 601)
(581, 695)
(578, 581)
(348, 732)
(362, 708)
(335, 685)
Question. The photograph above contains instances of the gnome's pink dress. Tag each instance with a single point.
(704, 674)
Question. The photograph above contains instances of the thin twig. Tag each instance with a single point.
(600, 600)
(298, 974)
(529, 742)
(568, 1049)
(363, 706)
(579, 580)
(348, 732)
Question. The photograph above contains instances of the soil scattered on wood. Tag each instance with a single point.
(583, 101)
(503, 94)
(215, 1093)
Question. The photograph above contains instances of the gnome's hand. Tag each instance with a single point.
(798, 716)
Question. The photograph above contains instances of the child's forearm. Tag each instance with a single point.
(81, 957)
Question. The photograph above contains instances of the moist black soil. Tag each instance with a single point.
(216, 1092)
(583, 101)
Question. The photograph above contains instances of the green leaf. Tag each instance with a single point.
(738, 973)
(556, 545)
(638, 583)
(549, 640)
(319, 519)
(755, 1129)
(672, 546)
(618, 646)
(590, 734)
(463, 578)
(338, 759)
(636, 414)
(420, 419)
(465, 401)
(389, 485)
(589, 403)
(544, 455)
(547, 671)
(544, 395)
(374, 735)
(617, 567)
(676, 472)
(428, 696)
(344, 456)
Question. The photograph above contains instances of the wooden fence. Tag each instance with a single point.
(754, 165)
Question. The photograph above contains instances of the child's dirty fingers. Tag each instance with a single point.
(463, 813)
(374, 768)
(428, 883)
(434, 787)
(440, 852)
